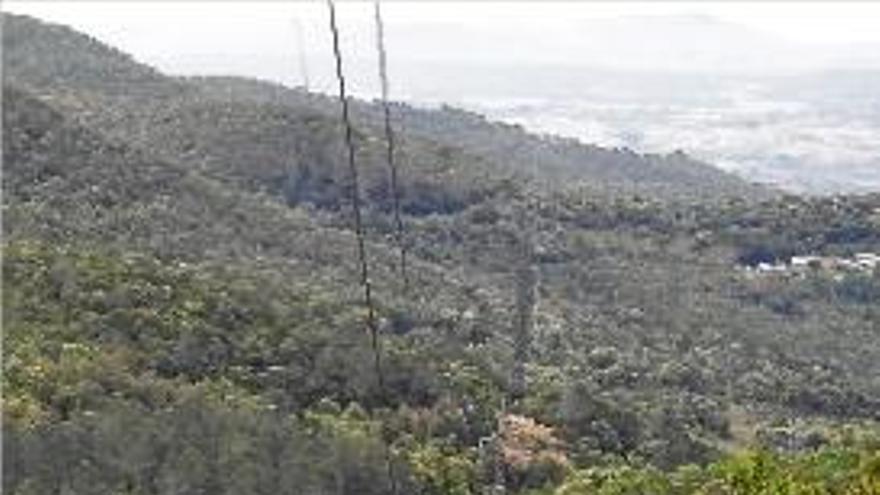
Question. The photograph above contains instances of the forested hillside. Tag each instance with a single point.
(547, 159)
(181, 310)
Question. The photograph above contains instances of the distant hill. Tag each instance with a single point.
(82, 87)
(45, 55)
(509, 148)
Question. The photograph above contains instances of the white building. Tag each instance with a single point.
(868, 260)
(804, 262)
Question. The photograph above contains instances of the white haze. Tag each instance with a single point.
(778, 92)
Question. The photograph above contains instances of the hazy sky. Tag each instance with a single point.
(259, 38)
(817, 22)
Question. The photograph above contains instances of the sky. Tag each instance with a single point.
(812, 22)
(599, 71)
(260, 39)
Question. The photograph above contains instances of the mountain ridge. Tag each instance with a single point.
(166, 92)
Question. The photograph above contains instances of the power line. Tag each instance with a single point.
(355, 188)
(303, 62)
(389, 139)
(359, 234)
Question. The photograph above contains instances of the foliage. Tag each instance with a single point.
(441, 470)
(831, 470)
(180, 310)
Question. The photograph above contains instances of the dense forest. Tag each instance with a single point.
(181, 309)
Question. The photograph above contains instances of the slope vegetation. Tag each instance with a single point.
(181, 312)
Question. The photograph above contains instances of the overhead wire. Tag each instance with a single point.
(371, 322)
(390, 141)
(525, 273)
(301, 52)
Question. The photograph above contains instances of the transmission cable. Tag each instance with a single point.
(359, 234)
(301, 52)
(389, 139)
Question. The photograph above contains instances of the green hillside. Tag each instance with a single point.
(181, 312)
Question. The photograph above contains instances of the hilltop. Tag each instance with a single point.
(90, 87)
